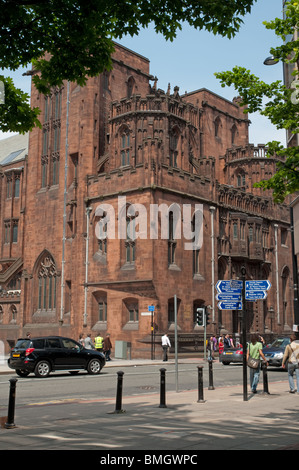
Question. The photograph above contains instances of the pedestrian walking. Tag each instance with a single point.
(165, 345)
(211, 349)
(291, 357)
(98, 342)
(81, 340)
(220, 347)
(227, 343)
(88, 342)
(255, 350)
(107, 346)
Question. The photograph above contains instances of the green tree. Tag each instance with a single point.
(276, 101)
(78, 36)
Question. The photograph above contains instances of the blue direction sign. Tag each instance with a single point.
(257, 285)
(230, 305)
(227, 296)
(232, 286)
(151, 308)
(256, 295)
(256, 290)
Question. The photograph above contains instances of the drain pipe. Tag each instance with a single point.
(276, 272)
(212, 210)
(64, 205)
(88, 211)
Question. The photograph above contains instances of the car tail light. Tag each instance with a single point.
(29, 351)
(239, 352)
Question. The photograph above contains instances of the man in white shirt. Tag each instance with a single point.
(165, 345)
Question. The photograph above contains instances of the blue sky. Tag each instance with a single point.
(191, 60)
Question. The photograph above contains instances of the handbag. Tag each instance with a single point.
(253, 363)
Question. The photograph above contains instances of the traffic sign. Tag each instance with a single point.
(232, 286)
(151, 308)
(230, 305)
(257, 285)
(256, 295)
(233, 297)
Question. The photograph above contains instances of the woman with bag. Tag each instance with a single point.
(291, 357)
(254, 352)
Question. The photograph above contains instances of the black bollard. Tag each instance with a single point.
(211, 385)
(11, 405)
(162, 388)
(200, 385)
(265, 378)
(119, 392)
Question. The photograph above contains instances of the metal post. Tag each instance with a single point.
(162, 388)
(11, 405)
(244, 334)
(200, 385)
(176, 343)
(211, 385)
(118, 408)
(295, 271)
(265, 378)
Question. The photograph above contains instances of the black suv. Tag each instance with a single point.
(47, 354)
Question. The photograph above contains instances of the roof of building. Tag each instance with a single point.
(14, 148)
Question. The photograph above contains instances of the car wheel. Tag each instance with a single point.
(42, 369)
(22, 373)
(225, 363)
(94, 366)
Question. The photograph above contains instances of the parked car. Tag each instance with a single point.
(48, 354)
(231, 355)
(274, 353)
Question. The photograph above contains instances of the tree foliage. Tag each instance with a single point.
(78, 35)
(276, 101)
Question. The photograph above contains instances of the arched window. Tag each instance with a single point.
(130, 87)
(46, 274)
(234, 132)
(173, 148)
(130, 239)
(125, 147)
(217, 124)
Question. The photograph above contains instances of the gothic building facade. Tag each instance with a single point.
(118, 144)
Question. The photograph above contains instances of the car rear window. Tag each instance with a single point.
(23, 343)
(54, 343)
(38, 343)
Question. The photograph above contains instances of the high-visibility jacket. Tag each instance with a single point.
(98, 342)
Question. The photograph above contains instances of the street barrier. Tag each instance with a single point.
(211, 384)
(200, 385)
(119, 392)
(162, 388)
(265, 378)
(11, 405)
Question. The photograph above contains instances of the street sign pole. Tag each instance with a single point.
(204, 336)
(151, 309)
(244, 334)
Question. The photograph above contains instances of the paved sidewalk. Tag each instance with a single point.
(223, 422)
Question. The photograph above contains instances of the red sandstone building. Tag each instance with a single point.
(122, 138)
